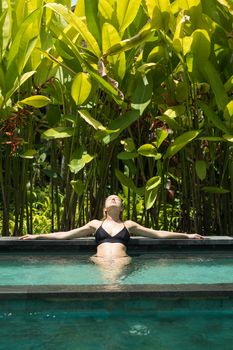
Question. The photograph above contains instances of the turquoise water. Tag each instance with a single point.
(160, 324)
(76, 269)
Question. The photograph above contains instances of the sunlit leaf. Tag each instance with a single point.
(126, 12)
(91, 121)
(180, 142)
(79, 159)
(58, 133)
(143, 93)
(148, 150)
(37, 101)
(228, 137)
(151, 191)
(159, 12)
(29, 154)
(81, 88)
(77, 23)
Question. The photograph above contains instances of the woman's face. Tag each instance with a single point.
(113, 201)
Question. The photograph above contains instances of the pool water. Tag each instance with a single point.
(77, 269)
(160, 324)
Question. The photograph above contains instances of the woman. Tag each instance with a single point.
(112, 234)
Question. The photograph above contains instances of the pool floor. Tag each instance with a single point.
(161, 324)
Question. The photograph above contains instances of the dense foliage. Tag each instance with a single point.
(117, 96)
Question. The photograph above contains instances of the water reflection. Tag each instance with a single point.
(113, 270)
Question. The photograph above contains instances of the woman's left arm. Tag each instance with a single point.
(139, 230)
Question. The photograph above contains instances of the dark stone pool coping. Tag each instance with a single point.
(109, 291)
(136, 243)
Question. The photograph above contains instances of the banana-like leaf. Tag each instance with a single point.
(145, 34)
(92, 20)
(37, 101)
(126, 13)
(106, 10)
(111, 37)
(77, 23)
(81, 88)
(201, 46)
(117, 126)
(22, 47)
(18, 83)
(148, 150)
(91, 121)
(159, 12)
(151, 191)
(79, 159)
(180, 142)
(60, 132)
(143, 93)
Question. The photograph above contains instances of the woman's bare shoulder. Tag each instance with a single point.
(94, 223)
(130, 224)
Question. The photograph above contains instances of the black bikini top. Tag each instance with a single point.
(102, 236)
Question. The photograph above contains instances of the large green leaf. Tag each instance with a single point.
(126, 12)
(117, 126)
(91, 121)
(148, 150)
(111, 37)
(127, 44)
(81, 88)
(37, 101)
(77, 23)
(180, 142)
(159, 11)
(201, 46)
(106, 10)
(58, 133)
(79, 159)
(143, 93)
(91, 13)
(151, 191)
(18, 83)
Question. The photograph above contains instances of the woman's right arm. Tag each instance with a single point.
(79, 232)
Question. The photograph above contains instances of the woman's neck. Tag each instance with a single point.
(113, 217)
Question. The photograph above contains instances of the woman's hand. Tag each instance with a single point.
(25, 237)
(195, 236)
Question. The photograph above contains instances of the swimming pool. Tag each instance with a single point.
(172, 296)
(117, 324)
(72, 268)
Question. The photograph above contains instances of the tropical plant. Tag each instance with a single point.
(138, 97)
